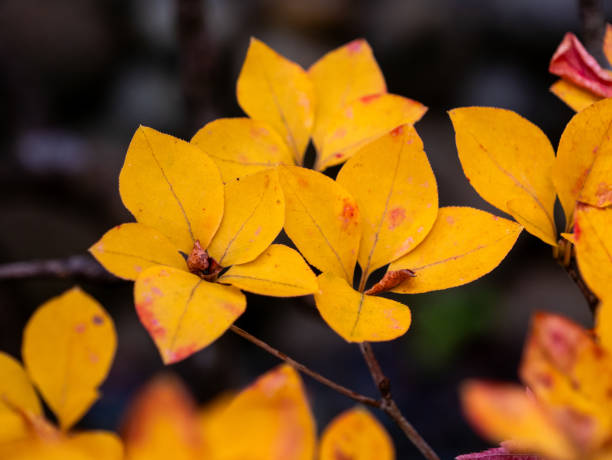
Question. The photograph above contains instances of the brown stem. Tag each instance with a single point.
(389, 406)
(302, 368)
(81, 267)
(565, 255)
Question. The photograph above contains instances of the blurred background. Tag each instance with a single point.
(77, 77)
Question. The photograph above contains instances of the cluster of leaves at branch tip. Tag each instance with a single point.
(222, 199)
(565, 411)
(68, 348)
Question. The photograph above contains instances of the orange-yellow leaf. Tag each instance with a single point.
(583, 168)
(593, 242)
(162, 424)
(463, 245)
(99, 444)
(342, 76)
(603, 324)
(182, 312)
(607, 44)
(280, 272)
(322, 219)
(254, 215)
(508, 160)
(396, 191)
(128, 249)
(273, 89)
(574, 96)
(241, 146)
(268, 420)
(360, 122)
(355, 434)
(358, 317)
(505, 412)
(172, 186)
(567, 370)
(68, 347)
(16, 395)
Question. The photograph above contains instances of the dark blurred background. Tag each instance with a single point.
(77, 77)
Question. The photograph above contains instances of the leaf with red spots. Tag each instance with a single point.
(277, 91)
(241, 146)
(582, 170)
(279, 271)
(508, 159)
(463, 245)
(270, 420)
(356, 435)
(128, 249)
(322, 219)
(396, 191)
(358, 317)
(572, 62)
(182, 312)
(360, 122)
(68, 347)
(593, 242)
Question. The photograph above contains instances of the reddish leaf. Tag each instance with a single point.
(499, 453)
(391, 279)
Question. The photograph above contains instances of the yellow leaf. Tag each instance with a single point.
(504, 412)
(322, 219)
(603, 324)
(16, 395)
(358, 317)
(280, 272)
(273, 89)
(172, 186)
(360, 122)
(583, 168)
(574, 96)
(396, 191)
(463, 245)
(184, 313)
(241, 146)
(128, 249)
(607, 45)
(508, 159)
(162, 424)
(357, 435)
(342, 76)
(593, 242)
(68, 347)
(254, 215)
(99, 444)
(44, 450)
(269, 420)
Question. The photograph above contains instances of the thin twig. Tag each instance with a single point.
(80, 267)
(565, 255)
(390, 407)
(593, 23)
(302, 368)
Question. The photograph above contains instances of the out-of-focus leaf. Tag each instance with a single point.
(499, 453)
(358, 317)
(355, 435)
(162, 424)
(182, 312)
(607, 44)
(99, 444)
(593, 243)
(172, 186)
(269, 420)
(273, 89)
(502, 412)
(68, 347)
(254, 215)
(603, 325)
(342, 76)
(583, 168)
(360, 122)
(572, 62)
(508, 160)
(279, 271)
(463, 245)
(241, 146)
(574, 96)
(322, 219)
(128, 249)
(396, 191)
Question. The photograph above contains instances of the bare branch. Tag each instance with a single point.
(593, 23)
(78, 267)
